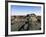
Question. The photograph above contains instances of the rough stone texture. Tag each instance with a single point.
(23, 23)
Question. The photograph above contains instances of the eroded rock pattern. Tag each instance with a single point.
(23, 23)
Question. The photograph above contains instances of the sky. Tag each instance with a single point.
(24, 10)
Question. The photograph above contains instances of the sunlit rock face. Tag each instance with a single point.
(24, 23)
(33, 22)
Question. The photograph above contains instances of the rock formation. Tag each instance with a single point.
(24, 23)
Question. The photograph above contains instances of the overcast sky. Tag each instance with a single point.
(24, 10)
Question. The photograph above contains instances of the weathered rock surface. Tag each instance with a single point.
(23, 23)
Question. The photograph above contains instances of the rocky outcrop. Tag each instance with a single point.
(23, 23)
